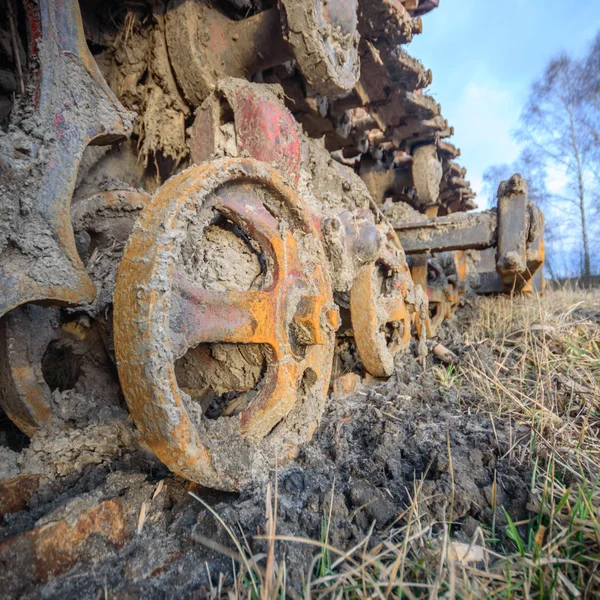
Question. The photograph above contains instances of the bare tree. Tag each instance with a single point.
(591, 91)
(558, 128)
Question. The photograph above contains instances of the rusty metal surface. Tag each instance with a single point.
(440, 307)
(53, 547)
(453, 232)
(442, 297)
(536, 251)
(371, 313)
(324, 36)
(513, 226)
(27, 331)
(25, 334)
(519, 253)
(352, 239)
(426, 173)
(376, 304)
(383, 183)
(71, 94)
(108, 216)
(204, 45)
(15, 493)
(461, 268)
(490, 280)
(159, 314)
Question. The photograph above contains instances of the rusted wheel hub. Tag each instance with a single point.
(380, 318)
(164, 310)
(41, 352)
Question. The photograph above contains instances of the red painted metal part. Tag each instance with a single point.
(264, 129)
(267, 131)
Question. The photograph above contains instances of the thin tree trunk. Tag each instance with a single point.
(587, 269)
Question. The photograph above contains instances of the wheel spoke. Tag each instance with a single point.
(204, 316)
(395, 309)
(243, 207)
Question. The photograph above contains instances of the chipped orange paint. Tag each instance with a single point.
(536, 256)
(462, 273)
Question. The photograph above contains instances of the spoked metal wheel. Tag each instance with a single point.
(380, 318)
(175, 298)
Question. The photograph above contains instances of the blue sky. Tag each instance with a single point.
(484, 55)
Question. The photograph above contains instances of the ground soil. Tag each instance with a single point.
(372, 448)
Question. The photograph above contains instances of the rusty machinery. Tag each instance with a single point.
(510, 239)
(223, 301)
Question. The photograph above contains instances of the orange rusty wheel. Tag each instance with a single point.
(48, 364)
(25, 334)
(380, 318)
(43, 349)
(165, 310)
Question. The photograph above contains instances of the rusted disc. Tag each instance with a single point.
(380, 318)
(324, 36)
(42, 349)
(165, 312)
(41, 352)
(25, 334)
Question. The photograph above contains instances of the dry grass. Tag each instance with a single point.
(545, 373)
